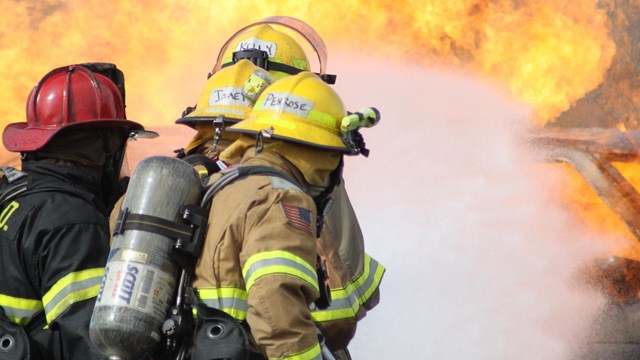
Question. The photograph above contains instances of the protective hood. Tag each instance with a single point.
(315, 165)
(84, 147)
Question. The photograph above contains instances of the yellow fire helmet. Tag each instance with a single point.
(300, 108)
(229, 95)
(264, 42)
(269, 48)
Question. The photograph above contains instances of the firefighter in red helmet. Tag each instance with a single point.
(54, 231)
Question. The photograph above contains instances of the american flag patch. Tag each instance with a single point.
(299, 218)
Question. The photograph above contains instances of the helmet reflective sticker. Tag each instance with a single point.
(257, 81)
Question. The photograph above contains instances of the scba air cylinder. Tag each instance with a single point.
(140, 278)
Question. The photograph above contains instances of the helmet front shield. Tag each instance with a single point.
(298, 26)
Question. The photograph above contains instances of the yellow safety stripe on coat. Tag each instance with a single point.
(369, 280)
(313, 353)
(233, 301)
(20, 310)
(344, 305)
(75, 287)
(278, 262)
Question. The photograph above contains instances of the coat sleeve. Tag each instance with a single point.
(278, 261)
(71, 264)
(345, 231)
(365, 272)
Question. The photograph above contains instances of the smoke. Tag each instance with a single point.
(480, 255)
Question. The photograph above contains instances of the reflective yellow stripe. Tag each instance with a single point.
(313, 353)
(75, 287)
(346, 302)
(344, 305)
(278, 262)
(6, 214)
(369, 280)
(20, 310)
(233, 301)
(323, 118)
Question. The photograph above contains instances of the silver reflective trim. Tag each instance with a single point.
(340, 304)
(279, 261)
(369, 281)
(69, 290)
(21, 316)
(227, 303)
(280, 183)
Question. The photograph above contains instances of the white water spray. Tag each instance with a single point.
(479, 254)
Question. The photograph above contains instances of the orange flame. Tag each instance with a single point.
(547, 53)
(596, 215)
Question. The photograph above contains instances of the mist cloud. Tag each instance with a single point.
(480, 255)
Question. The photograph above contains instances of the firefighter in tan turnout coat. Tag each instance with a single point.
(260, 259)
(354, 275)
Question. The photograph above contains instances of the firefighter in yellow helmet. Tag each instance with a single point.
(355, 276)
(260, 260)
(268, 48)
(227, 97)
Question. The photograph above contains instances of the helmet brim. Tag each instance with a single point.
(293, 131)
(192, 120)
(17, 137)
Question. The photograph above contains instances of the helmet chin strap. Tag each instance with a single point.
(260, 58)
(218, 125)
(260, 144)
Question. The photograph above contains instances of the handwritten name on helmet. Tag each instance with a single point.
(258, 44)
(288, 103)
(229, 95)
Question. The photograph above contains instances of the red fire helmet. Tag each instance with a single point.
(69, 97)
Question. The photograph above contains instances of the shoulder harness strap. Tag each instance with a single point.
(15, 186)
(12, 174)
(237, 173)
